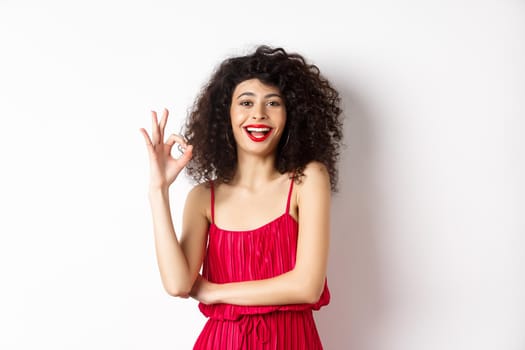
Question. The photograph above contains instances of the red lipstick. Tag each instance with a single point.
(258, 132)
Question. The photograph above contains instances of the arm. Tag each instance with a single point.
(178, 262)
(305, 282)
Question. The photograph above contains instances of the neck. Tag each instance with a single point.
(252, 171)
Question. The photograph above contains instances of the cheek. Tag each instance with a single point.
(236, 116)
(283, 121)
(235, 123)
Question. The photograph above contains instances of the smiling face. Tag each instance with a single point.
(258, 117)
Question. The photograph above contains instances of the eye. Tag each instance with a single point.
(245, 103)
(274, 103)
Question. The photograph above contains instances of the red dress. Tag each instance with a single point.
(265, 252)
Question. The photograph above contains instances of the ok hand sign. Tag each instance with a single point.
(164, 169)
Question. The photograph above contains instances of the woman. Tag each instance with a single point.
(262, 143)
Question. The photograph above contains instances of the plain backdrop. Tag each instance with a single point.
(427, 247)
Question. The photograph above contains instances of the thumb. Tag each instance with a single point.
(186, 156)
(174, 138)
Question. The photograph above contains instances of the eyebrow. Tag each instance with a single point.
(248, 93)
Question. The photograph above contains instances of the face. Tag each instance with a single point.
(258, 117)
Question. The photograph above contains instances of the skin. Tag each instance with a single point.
(254, 191)
(256, 103)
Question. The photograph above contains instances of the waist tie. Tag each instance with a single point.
(253, 323)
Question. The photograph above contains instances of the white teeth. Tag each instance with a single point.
(258, 129)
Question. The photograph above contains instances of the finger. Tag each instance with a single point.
(186, 156)
(155, 128)
(149, 145)
(163, 121)
(176, 138)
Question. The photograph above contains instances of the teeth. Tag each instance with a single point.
(258, 129)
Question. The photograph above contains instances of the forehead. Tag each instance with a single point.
(255, 86)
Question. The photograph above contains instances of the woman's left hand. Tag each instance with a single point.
(203, 290)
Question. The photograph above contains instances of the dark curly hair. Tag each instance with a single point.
(313, 129)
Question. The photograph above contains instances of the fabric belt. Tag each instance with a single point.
(253, 323)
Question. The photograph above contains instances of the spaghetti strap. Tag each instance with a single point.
(212, 203)
(254, 254)
(289, 196)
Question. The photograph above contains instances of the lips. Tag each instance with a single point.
(258, 132)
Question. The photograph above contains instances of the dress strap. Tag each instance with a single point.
(289, 196)
(212, 203)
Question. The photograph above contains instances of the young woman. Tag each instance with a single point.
(262, 143)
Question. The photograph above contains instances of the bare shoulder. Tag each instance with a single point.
(200, 190)
(198, 199)
(315, 182)
(316, 168)
(315, 174)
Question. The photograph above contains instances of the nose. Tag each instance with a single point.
(259, 112)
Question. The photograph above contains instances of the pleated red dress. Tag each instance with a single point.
(265, 252)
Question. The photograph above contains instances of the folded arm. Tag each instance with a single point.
(305, 282)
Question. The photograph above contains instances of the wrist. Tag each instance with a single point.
(210, 293)
(215, 293)
(158, 189)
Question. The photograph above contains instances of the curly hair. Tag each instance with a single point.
(313, 129)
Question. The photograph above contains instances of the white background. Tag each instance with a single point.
(427, 241)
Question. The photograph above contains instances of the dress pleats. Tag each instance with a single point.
(276, 330)
(264, 252)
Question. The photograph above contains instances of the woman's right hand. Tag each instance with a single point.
(164, 169)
